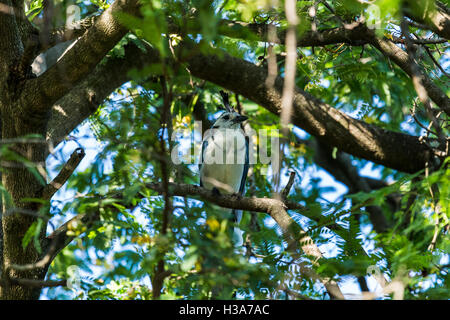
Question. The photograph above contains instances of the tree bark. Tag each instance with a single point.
(25, 104)
(17, 178)
(20, 182)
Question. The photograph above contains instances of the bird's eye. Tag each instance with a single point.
(227, 117)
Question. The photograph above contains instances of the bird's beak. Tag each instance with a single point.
(239, 119)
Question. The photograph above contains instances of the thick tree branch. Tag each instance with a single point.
(34, 283)
(39, 94)
(84, 99)
(63, 34)
(391, 149)
(353, 34)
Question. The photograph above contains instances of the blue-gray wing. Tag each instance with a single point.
(204, 145)
(237, 214)
(246, 165)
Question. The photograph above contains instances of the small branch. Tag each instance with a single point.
(34, 283)
(232, 201)
(418, 79)
(349, 33)
(401, 58)
(436, 63)
(65, 173)
(288, 186)
(60, 237)
(165, 122)
(420, 41)
(420, 124)
(432, 245)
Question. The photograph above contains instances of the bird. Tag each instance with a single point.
(224, 159)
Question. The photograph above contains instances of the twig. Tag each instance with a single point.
(419, 25)
(435, 62)
(413, 114)
(60, 237)
(420, 41)
(65, 173)
(325, 3)
(288, 186)
(160, 274)
(417, 79)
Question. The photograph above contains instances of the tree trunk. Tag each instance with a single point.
(21, 182)
(17, 178)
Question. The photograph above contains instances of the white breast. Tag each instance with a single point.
(223, 160)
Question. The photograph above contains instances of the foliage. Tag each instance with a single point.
(119, 256)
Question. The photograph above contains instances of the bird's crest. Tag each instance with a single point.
(226, 101)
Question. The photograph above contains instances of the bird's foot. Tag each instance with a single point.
(237, 195)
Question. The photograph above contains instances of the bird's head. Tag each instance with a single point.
(230, 119)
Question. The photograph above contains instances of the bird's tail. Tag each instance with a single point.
(236, 233)
(238, 239)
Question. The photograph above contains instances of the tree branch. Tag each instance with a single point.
(400, 57)
(355, 34)
(41, 93)
(391, 149)
(437, 18)
(62, 236)
(63, 34)
(34, 283)
(84, 99)
(65, 173)
(288, 186)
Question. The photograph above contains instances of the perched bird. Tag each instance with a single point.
(225, 159)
